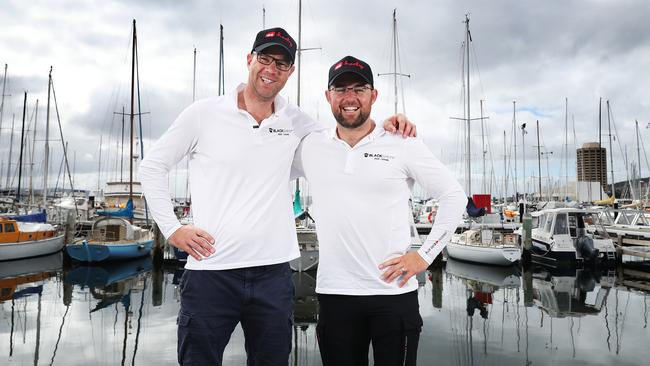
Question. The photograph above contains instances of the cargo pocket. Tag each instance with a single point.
(184, 336)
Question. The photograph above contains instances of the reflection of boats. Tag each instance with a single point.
(305, 301)
(19, 267)
(27, 239)
(561, 236)
(107, 274)
(574, 294)
(486, 246)
(492, 275)
(24, 271)
(112, 238)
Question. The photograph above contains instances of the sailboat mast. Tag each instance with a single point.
(566, 147)
(505, 170)
(611, 152)
(539, 165)
(600, 144)
(131, 116)
(467, 137)
(638, 157)
(523, 158)
(484, 151)
(2, 102)
(298, 57)
(122, 148)
(514, 137)
(395, 56)
(11, 148)
(299, 52)
(99, 164)
(221, 65)
(22, 146)
(46, 162)
(31, 160)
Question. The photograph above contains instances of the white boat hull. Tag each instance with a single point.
(500, 255)
(26, 249)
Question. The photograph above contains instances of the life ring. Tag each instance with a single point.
(430, 217)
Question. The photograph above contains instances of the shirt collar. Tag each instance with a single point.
(378, 131)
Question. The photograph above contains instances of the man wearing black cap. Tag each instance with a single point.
(360, 179)
(240, 148)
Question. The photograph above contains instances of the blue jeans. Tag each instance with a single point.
(213, 302)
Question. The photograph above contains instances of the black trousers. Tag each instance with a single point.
(213, 302)
(347, 325)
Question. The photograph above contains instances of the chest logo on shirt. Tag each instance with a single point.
(280, 131)
(377, 156)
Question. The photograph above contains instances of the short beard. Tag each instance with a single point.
(358, 122)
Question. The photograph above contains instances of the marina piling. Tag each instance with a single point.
(527, 240)
(159, 245)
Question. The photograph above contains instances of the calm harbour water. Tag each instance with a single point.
(126, 314)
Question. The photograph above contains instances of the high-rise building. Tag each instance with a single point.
(592, 164)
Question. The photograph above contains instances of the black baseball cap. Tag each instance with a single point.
(275, 37)
(349, 64)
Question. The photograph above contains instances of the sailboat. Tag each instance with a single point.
(481, 243)
(113, 235)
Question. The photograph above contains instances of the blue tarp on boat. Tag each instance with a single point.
(121, 212)
(37, 217)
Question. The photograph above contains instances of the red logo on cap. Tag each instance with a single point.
(338, 66)
(354, 64)
(281, 36)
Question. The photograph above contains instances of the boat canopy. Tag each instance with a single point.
(120, 212)
(37, 217)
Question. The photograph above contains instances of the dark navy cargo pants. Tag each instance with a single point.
(213, 302)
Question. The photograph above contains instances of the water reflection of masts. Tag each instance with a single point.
(56, 346)
(645, 311)
(11, 334)
(127, 307)
(38, 328)
(137, 332)
(620, 335)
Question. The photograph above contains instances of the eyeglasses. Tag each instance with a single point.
(282, 65)
(358, 89)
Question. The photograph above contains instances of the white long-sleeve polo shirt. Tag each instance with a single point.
(360, 206)
(239, 179)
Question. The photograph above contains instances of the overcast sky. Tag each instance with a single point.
(534, 53)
